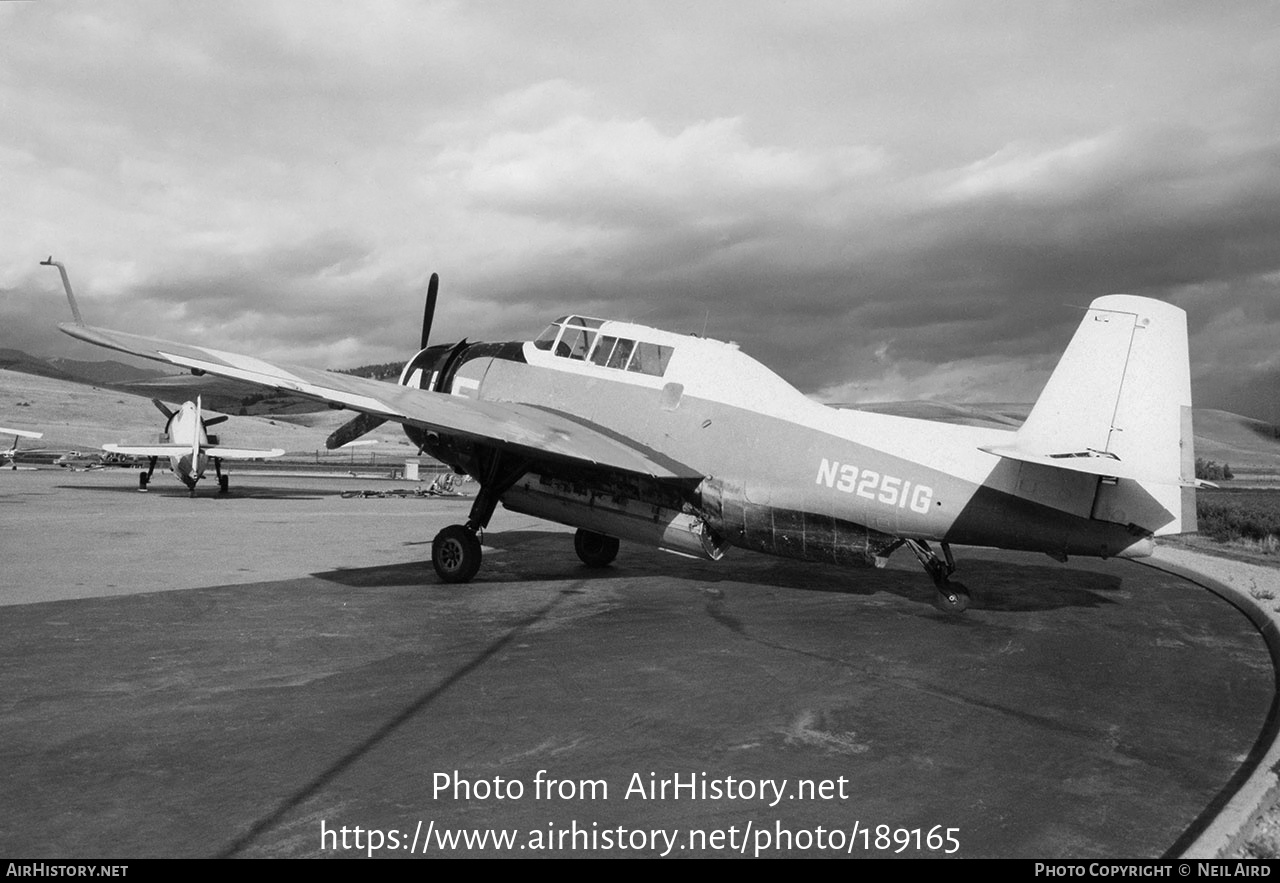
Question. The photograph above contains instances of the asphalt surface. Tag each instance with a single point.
(247, 676)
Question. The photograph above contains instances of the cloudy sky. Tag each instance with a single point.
(880, 200)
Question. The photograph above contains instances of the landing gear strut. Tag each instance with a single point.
(224, 481)
(952, 597)
(144, 478)
(455, 552)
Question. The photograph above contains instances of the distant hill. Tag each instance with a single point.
(1242, 442)
(998, 416)
(103, 373)
(380, 371)
(106, 372)
(17, 360)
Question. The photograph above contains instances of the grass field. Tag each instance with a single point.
(1244, 517)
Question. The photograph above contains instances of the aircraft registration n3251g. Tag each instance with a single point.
(687, 443)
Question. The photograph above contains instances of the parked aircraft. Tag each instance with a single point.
(78, 461)
(625, 431)
(189, 447)
(10, 454)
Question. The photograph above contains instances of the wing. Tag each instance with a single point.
(21, 433)
(517, 428)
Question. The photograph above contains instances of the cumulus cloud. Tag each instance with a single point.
(882, 200)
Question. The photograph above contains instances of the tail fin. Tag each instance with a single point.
(1118, 405)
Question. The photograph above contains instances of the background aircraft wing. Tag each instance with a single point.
(224, 453)
(534, 432)
(22, 433)
(148, 450)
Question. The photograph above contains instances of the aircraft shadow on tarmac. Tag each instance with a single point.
(238, 492)
(547, 556)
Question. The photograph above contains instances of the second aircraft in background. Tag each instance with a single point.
(189, 447)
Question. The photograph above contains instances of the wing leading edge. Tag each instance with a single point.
(169, 450)
(524, 429)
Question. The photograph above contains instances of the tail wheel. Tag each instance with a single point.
(952, 597)
(455, 554)
(595, 549)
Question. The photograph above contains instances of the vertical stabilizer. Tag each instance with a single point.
(1122, 392)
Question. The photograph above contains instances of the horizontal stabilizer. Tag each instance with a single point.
(223, 453)
(1090, 462)
(149, 450)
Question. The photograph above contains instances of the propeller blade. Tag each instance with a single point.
(363, 423)
(433, 288)
(353, 429)
(214, 421)
(168, 415)
(195, 436)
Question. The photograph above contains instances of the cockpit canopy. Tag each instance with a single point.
(579, 338)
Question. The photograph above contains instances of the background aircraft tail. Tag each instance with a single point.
(1118, 405)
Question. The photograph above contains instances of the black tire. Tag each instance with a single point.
(455, 554)
(952, 598)
(142, 481)
(224, 483)
(595, 549)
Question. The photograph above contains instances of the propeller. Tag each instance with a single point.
(168, 415)
(363, 423)
(353, 429)
(429, 312)
(195, 438)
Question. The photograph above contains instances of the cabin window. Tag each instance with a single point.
(578, 338)
(600, 355)
(650, 358)
(574, 343)
(547, 338)
(621, 352)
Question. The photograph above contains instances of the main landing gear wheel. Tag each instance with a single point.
(595, 549)
(455, 554)
(143, 478)
(224, 483)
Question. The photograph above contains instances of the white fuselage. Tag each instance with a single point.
(186, 428)
(785, 474)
